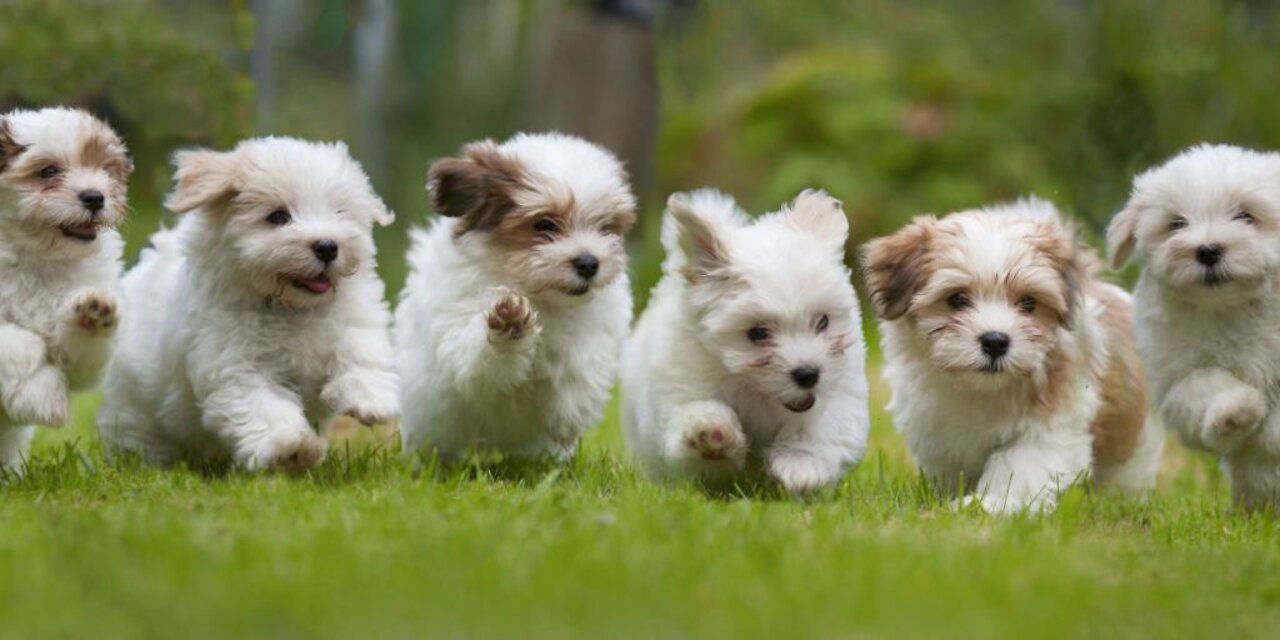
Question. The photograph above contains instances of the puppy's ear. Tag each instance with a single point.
(1122, 232)
(202, 178)
(816, 212)
(479, 186)
(898, 266)
(1075, 262)
(382, 216)
(9, 148)
(705, 254)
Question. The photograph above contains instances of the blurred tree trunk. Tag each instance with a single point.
(374, 43)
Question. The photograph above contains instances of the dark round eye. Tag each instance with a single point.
(823, 322)
(1027, 304)
(546, 225)
(279, 217)
(1245, 217)
(758, 334)
(1178, 223)
(50, 171)
(959, 300)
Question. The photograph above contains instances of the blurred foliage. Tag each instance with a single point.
(129, 63)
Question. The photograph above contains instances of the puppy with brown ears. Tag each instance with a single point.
(511, 322)
(1206, 226)
(63, 180)
(258, 316)
(1013, 368)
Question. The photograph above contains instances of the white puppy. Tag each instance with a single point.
(1207, 227)
(512, 320)
(751, 349)
(63, 179)
(257, 315)
(1013, 369)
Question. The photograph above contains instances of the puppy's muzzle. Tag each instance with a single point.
(995, 344)
(1210, 255)
(326, 251)
(586, 266)
(93, 200)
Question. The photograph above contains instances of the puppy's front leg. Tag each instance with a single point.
(262, 423)
(807, 457)
(1214, 410)
(32, 390)
(89, 321)
(704, 439)
(1029, 473)
(363, 383)
(495, 348)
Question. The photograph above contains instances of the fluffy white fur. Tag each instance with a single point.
(1210, 333)
(710, 375)
(241, 338)
(503, 345)
(63, 181)
(1015, 428)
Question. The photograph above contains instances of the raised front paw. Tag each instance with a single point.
(95, 311)
(288, 452)
(511, 318)
(369, 401)
(40, 399)
(717, 441)
(801, 472)
(1233, 416)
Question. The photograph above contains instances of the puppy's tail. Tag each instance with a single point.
(717, 208)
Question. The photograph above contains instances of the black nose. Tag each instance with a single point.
(325, 250)
(806, 376)
(1209, 254)
(994, 343)
(92, 199)
(586, 265)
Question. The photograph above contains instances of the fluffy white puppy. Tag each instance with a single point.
(1206, 226)
(63, 179)
(257, 315)
(1013, 369)
(511, 323)
(751, 349)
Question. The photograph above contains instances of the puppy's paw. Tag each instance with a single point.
(40, 399)
(288, 452)
(800, 472)
(1233, 416)
(367, 403)
(717, 441)
(95, 312)
(511, 318)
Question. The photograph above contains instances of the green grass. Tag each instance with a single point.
(365, 547)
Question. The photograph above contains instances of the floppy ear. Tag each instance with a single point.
(479, 186)
(1075, 262)
(1122, 232)
(705, 254)
(203, 177)
(816, 212)
(9, 148)
(382, 216)
(897, 266)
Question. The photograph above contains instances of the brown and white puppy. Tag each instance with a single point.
(513, 316)
(63, 181)
(1013, 369)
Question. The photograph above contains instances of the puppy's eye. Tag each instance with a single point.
(1178, 223)
(758, 334)
(1027, 304)
(50, 171)
(279, 217)
(1244, 216)
(959, 300)
(545, 225)
(823, 322)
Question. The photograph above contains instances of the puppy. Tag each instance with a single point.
(1206, 226)
(751, 348)
(255, 317)
(63, 181)
(1013, 369)
(511, 322)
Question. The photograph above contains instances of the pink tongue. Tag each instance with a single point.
(82, 229)
(318, 285)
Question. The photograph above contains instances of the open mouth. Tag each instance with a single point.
(580, 290)
(318, 285)
(802, 405)
(86, 232)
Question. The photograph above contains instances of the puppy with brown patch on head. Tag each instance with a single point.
(1206, 226)
(258, 316)
(63, 181)
(510, 325)
(1013, 368)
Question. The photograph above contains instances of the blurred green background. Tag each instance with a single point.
(897, 108)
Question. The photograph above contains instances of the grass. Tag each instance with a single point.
(366, 547)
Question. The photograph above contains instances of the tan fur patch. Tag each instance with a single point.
(897, 266)
(1122, 416)
(479, 187)
(9, 148)
(203, 177)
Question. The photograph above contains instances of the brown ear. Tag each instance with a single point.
(479, 186)
(897, 266)
(1122, 233)
(1075, 262)
(202, 178)
(9, 148)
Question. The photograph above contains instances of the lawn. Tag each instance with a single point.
(366, 547)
